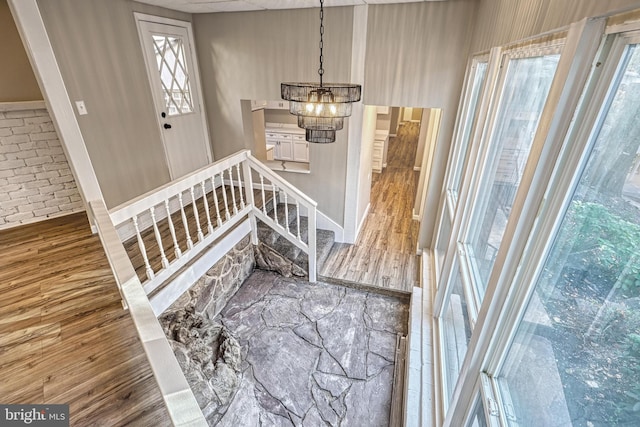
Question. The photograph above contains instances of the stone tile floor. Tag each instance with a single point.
(312, 354)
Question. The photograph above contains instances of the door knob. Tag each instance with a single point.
(166, 126)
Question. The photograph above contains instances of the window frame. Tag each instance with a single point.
(466, 122)
(582, 44)
(594, 106)
(488, 160)
(454, 166)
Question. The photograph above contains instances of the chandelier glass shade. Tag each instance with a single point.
(320, 107)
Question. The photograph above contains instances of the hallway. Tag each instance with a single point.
(385, 253)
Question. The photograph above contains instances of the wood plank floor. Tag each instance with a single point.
(64, 336)
(385, 253)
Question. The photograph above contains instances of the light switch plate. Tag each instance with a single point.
(82, 109)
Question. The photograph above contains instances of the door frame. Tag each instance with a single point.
(196, 82)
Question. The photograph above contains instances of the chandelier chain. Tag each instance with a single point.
(321, 69)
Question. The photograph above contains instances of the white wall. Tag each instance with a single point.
(35, 179)
(366, 152)
(416, 55)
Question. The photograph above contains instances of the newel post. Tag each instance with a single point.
(312, 245)
(248, 193)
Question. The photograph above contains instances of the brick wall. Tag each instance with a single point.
(35, 180)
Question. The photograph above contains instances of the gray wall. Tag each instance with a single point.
(416, 56)
(99, 54)
(17, 81)
(246, 55)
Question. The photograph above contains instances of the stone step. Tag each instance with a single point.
(267, 235)
(324, 238)
(324, 243)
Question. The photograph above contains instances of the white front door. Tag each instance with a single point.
(173, 76)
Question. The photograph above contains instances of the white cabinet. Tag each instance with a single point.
(286, 148)
(300, 149)
(288, 145)
(378, 155)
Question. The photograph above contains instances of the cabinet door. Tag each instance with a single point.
(300, 150)
(286, 149)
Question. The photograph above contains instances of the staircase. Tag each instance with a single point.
(286, 214)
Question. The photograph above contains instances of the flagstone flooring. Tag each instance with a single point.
(312, 354)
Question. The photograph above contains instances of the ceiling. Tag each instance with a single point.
(209, 6)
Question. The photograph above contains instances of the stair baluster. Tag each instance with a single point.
(286, 212)
(264, 202)
(298, 218)
(195, 213)
(143, 250)
(185, 223)
(242, 205)
(156, 231)
(274, 188)
(172, 230)
(224, 196)
(233, 191)
(215, 200)
(206, 208)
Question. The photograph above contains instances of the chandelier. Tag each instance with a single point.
(320, 107)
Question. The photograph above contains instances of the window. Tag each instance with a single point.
(470, 111)
(444, 235)
(170, 58)
(575, 358)
(538, 312)
(524, 91)
(456, 332)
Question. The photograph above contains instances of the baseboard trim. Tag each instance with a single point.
(325, 223)
(362, 220)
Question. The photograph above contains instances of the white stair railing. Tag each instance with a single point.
(177, 206)
(287, 194)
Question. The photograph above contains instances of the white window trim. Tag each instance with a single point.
(455, 170)
(485, 103)
(489, 158)
(574, 158)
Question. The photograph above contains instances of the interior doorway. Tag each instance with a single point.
(384, 252)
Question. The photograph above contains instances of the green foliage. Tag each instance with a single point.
(634, 344)
(606, 241)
